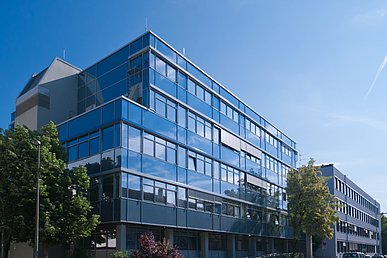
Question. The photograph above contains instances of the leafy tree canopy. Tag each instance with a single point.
(312, 208)
(64, 207)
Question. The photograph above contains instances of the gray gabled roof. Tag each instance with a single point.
(33, 81)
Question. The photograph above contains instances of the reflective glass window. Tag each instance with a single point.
(148, 145)
(108, 138)
(182, 80)
(134, 139)
(160, 66)
(94, 146)
(171, 73)
(107, 161)
(134, 187)
(84, 149)
(191, 87)
(72, 153)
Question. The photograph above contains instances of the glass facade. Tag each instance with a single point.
(165, 144)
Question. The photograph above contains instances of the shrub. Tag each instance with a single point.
(149, 248)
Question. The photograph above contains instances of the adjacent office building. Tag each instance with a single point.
(358, 228)
(169, 150)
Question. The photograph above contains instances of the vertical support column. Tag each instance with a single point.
(231, 250)
(252, 246)
(286, 247)
(121, 237)
(270, 245)
(204, 245)
(168, 234)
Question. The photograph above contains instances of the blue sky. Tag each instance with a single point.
(304, 65)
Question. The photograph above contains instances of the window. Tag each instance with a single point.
(271, 164)
(200, 126)
(165, 69)
(230, 175)
(252, 127)
(163, 106)
(286, 150)
(230, 112)
(199, 163)
(159, 148)
(199, 92)
(130, 186)
(271, 140)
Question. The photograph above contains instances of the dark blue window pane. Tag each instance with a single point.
(158, 168)
(118, 157)
(199, 180)
(145, 40)
(112, 77)
(93, 164)
(94, 146)
(108, 138)
(135, 113)
(90, 73)
(72, 153)
(118, 110)
(121, 56)
(62, 130)
(83, 149)
(125, 109)
(107, 161)
(135, 46)
(114, 91)
(118, 136)
(108, 113)
(85, 123)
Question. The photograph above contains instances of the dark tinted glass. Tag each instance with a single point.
(108, 138)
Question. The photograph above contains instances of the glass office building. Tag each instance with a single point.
(172, 151)
(359, 225)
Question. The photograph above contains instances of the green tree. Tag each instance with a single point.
(312, 208)
(64, 208)
(384, 234)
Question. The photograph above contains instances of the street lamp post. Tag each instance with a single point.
(36, 248)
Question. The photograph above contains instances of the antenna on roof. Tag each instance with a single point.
(64, 54)
(183, 51)
(146, 23)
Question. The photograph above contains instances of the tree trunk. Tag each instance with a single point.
(309, 246)
(45, 250)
